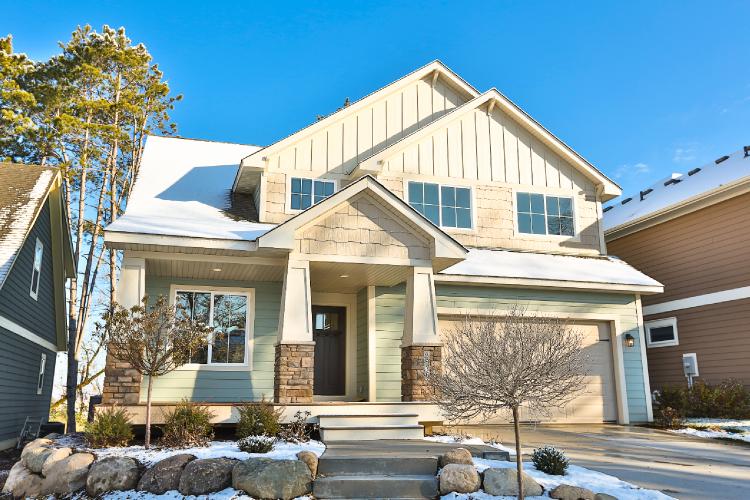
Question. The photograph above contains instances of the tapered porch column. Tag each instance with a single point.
(421, 352)
(122, 383)
(295, 349)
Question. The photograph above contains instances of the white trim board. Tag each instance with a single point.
(27, 334)
(698, 300)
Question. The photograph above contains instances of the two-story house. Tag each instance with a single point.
(330, 261)
(36, 259)
(690, 231)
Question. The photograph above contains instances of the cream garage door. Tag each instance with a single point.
(597, 401)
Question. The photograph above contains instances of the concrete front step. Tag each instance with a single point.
(370, 432)
(357, 466)
(364, 420)
(376, 486)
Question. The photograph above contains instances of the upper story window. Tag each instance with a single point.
(36, 272)
(661, 332)
(446, 206)
(227, 313)
(543, 214)
(306, 192)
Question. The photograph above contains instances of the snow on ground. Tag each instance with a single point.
(282, 450)
(575, 476)
(717, 428)
(227, 494)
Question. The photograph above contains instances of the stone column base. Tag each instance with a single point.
(294, 373)
(417, 362)
(122, 383)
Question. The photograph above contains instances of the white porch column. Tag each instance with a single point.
(421, 352)
(295, 349)
(122, 384)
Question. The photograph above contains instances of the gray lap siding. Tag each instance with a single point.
(19, 371)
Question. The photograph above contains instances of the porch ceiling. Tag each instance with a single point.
(350, 277)
(213, 270)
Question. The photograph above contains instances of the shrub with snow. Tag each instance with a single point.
(258, 419)
(297, 431)
(111, 427)
(550, 460)
(187, 425)
(256, 444)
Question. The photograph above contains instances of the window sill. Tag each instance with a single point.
(214, 368)
(666, 343)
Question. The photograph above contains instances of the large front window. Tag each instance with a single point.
(227, 313)
(446, 206)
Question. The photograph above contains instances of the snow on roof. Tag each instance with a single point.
(23, 188)
(527, 265)
(677, 188)
(184, 189)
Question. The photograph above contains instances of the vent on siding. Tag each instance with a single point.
(607, 209)
(672, 181)
(723, 158)
(645, 192)
(694, 171)
(626, 200)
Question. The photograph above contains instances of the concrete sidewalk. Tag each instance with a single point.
(680, 466)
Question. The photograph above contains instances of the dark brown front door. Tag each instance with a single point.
(329, 333)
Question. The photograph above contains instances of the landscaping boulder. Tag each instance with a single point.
(35, 458)
(22, 483)
(55, 456)
(112, 474)
(456, 456)
(67, 475)
(503, 482)
(604, 496)
(3, 477)
(35, 444)
(461, 478)
(208, 475)
(165, 475)
(53, 436)
(266, 478)
(568, 492)
(311, 460)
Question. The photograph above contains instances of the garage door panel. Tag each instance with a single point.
(597, 401)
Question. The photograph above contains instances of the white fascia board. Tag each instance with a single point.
(14, 327)
(547, 284)
(121, 240)
(283, 236)
(698, 300)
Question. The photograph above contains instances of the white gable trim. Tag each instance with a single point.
(27, 334)
(494, 98)
(256, 161)
(283, 236)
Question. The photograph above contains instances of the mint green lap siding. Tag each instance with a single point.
(362, 362)
(225, 385)
(389, 328)
(620, 306)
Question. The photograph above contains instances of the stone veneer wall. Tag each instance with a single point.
(293, 373)
(414, 361)
(122, 383)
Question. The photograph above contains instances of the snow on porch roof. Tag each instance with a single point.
(184, 189)
(537, 266)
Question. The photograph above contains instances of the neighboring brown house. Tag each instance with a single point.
(692, 233)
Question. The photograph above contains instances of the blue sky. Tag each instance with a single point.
(639, 88)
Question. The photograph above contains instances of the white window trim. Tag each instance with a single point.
(648, 325)
(34, 294)
(440, 185)
(516, 231)
(288, 193)
(249, 326)
(40, 376)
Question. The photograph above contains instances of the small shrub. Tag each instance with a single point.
(550, 460)
(111, 427)
(730, 399)
(187, 425)
(256, 444)
(670, 407)
(667, 417)
(258, 419)
(298, 431)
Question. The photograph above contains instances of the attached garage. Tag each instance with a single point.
(598, 401)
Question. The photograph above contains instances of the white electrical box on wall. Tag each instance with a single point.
(690, 367)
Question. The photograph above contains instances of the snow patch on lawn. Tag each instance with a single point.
(282, 450)
(709, 434)
(227, 494)
(717, 428)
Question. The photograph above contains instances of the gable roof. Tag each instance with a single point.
(23, 191)
(255, 159)
(728, 175)
(283, 235)
(493, 98)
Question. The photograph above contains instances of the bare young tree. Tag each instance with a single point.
(499, 363)
(155, 340)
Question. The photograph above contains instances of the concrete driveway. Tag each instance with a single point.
(680, 466)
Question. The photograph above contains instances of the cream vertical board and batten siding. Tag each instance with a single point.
(620, 309)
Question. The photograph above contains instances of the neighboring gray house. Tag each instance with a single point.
(36, 259)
